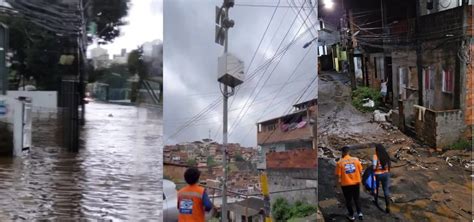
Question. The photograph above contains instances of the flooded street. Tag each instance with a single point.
(116, 175)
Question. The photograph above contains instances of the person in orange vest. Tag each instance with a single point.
(193, 200)
(349, 173)
(381, 165)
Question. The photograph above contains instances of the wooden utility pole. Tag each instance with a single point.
(419, 53)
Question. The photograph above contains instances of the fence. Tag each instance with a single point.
(244, 207)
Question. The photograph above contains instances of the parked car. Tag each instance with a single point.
(170, 201)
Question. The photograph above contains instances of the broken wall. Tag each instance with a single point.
(440, 128)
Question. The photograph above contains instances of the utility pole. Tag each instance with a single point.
(3, 59)
(230, 74)
(82, 39)
(419, 53)
(350, 50)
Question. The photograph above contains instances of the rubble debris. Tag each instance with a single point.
(368, 102)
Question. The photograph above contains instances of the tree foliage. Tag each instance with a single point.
(191, 162)
(108, 15)
(36, 52)
(210, 161)
(282, 210)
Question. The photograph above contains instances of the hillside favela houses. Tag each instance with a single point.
(426, 59)
(207, 156)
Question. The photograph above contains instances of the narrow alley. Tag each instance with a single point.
(426, 184)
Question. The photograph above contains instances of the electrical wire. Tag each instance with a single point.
(290, 108)
(269, 76)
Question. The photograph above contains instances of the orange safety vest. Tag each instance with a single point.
(349, 170)
(378, 169)
(190, 204)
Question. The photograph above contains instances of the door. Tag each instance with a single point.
(27, 122)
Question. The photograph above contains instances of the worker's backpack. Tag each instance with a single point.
(368, 179)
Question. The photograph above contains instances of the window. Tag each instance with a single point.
(448, 83)
(403, 81)
(271, 127)
(428, 74)
(259, 128)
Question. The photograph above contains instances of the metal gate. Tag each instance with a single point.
(69, 102)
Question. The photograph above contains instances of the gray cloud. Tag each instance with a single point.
(190, 68)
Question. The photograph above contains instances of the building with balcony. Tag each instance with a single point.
(289, 132)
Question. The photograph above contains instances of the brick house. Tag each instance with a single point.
(289, 132)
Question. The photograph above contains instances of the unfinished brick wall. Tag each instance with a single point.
(294, 159)
(175, 172)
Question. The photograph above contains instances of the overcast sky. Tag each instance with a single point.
(145, 24)
(190, 67)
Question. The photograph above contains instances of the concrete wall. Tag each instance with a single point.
(450, 127)
(40, 99)
(290, 179)
(440, 128)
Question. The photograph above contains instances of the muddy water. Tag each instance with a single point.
(116, 175)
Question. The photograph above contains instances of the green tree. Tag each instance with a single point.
(238, 157)
(281, 209)
(136, 64)
(108, 14)
(191, 162)
(210, 161)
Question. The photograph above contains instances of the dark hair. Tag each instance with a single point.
(345, 150)
(382, 155)
(191, 176)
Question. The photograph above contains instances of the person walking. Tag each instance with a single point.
(349, 172)
(193, 200)
(381, 166)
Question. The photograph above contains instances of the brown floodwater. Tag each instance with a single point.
(116, 175)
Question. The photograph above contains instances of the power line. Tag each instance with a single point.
(289, 110)
(268, 6)
(269, 76)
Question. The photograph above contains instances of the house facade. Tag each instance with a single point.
(427, 61)
(289, 132)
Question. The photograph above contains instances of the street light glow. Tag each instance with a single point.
(329, 4)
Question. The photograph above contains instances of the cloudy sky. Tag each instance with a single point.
(145, 24)
(190, 67)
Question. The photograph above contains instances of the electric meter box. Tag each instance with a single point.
(230, 70)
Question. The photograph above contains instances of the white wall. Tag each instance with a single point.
(40, 99)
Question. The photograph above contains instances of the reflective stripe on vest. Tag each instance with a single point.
(190, 204)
